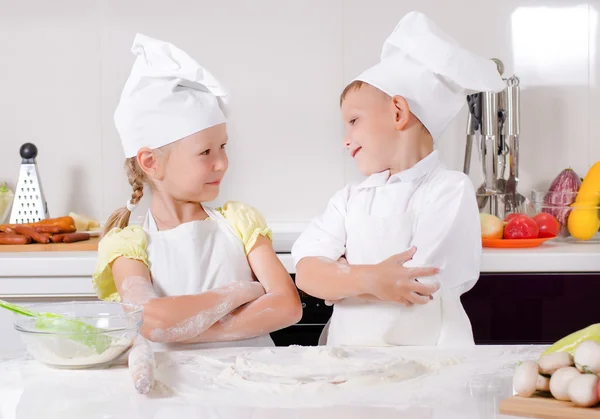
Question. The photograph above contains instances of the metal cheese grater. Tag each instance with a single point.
(29, 204)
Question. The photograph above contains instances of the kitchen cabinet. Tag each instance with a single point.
(532, 308)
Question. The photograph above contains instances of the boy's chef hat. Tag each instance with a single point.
(431, 71)
(167, 97)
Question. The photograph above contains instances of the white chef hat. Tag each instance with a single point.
(167, 97)
(431, 71)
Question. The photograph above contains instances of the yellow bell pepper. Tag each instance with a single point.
(569, 343)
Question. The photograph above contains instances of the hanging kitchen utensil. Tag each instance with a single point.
(29, 204)
(495, 117)
(514, 200)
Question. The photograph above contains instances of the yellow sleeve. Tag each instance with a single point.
(130, 242)
(247, 221)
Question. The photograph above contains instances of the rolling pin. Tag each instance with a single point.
(141, 365)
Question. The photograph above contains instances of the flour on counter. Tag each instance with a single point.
(285, 376)
(309, 366)
(60, 352)
(306, 377)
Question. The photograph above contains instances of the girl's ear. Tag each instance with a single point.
(150, 163)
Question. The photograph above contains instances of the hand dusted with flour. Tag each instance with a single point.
(386, 281)
(279, 304)
(225, 299)
(194, 314)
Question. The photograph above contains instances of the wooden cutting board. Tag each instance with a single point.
(87, 245)
(546, 408)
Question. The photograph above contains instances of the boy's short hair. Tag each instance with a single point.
(357, 84)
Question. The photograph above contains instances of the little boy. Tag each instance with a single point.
(393, 113)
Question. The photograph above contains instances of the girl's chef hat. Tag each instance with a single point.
(167, 97)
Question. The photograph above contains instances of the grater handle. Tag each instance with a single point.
(28, 152)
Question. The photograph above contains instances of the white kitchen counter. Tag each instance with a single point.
(465, 384)
(550, 257)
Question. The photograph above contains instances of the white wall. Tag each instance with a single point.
(63, 64)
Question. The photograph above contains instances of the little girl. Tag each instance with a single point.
(192, 267)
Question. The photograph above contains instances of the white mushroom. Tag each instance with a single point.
(543, 383)
(587, 357)
(550, 363)
(560, 380)
(525, 378)
(583, 390)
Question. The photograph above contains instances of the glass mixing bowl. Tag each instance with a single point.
(65, 346)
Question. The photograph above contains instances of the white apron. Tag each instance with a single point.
(196, 257)
(443, 321)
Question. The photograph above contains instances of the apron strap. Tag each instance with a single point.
(150, 223)
(225, 225)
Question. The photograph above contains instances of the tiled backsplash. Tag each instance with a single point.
(64, 64)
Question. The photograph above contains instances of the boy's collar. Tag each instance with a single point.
(423, 167)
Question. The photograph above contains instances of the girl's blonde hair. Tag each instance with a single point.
(136, 178)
